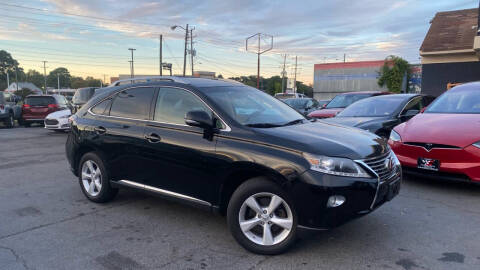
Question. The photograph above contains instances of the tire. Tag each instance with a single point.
(254, 240)
(101, 191)
(10, 122)
(24, 123)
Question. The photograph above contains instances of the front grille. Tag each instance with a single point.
(51, 122)
(377, 164)
(430, 146)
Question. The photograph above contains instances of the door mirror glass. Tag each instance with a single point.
(199, 119)
(410, 113)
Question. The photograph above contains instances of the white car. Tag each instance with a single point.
(58, 121)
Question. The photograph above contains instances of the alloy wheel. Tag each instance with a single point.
(265, 219)
(91, 178)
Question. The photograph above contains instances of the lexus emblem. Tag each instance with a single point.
(389, 163)
(428, 146)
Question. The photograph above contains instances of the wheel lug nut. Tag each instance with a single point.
(271, 215)
(269, 223)
(264, 211)
(263, 223)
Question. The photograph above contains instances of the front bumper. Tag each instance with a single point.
(462, 164)
(57, 124)
(363, 195)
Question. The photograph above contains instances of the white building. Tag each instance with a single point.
(13, 87)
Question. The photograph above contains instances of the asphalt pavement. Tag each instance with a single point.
(47, 223)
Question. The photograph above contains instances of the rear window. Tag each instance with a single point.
(40, 101)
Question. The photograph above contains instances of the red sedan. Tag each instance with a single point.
(444, 141)
(341, 101)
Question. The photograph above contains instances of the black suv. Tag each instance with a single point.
(233, 149)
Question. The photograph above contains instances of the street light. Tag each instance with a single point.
(185, 51)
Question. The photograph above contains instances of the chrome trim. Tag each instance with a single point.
(158, 78)
(226, 129)
(400, 113)
(444, 148)
(378, 180)
(163, 192)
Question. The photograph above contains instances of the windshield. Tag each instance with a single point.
(464, 101)
(82, 95)
(296, 103)
(251, 107)
(343, 101)
(372, 107)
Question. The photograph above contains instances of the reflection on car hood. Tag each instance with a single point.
(326, 139)
(356, 121)
(451, 129)
(59, 114)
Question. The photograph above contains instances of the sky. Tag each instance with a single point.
(92, 38)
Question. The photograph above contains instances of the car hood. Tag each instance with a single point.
(326, 112)
(59, 114)
(357, 121)
(327, 139)
(450, 129)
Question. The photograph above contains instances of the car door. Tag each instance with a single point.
(119, 128)
(181, 159)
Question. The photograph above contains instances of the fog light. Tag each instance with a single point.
(335, 200)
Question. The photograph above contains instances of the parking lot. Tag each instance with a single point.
(47, 223)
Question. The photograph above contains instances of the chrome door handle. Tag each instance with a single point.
(153, 138)
(100, 130)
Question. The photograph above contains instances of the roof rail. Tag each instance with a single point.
(148, 79)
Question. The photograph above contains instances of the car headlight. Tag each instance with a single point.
(65, 116)
(394, 136)
(335, 166)
(477, 144)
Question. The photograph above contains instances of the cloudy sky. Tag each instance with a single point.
(91, 38)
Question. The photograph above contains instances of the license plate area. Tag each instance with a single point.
(428, 164)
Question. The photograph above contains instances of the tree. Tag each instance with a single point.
(34, 77)
(393, 72)
(79, 82)
(8, 64)
(63, 75)
(23, 93)
(220, 76)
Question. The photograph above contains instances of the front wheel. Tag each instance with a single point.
(94, 180)
(261, 217)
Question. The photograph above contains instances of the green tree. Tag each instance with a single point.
(63, 74)
(35, 77)
(23, 93)
(393, 72)
(8, 64)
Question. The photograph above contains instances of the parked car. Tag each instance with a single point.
(302, 105)
(9, 111)
(81, 96)
(36, 107)
(322, 103)
(443, 142)
(58, 121)
(381, 113)
(230, 148)
(341, 101)
(289, 95)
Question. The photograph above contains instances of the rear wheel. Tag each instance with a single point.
(10, 122)
(261, 217)
(94, 179)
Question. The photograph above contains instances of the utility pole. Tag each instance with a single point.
(161, 40)
(259, 52)
(344, 58)
(191, 46)
(283, 73)
(132, 73)
(58, 80)
(185, 51)
(16, 76)
(8, 79)
(295, 78)
(45, 77)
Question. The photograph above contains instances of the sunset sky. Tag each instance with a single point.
(91, 38)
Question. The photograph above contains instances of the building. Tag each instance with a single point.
(450, 51)
(23, 85)
(204, 74)
(334, 78)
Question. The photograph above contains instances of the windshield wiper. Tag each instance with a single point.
(263, 125)
(294, 122)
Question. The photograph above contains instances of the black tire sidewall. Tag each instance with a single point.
(251, 187)
(106, 192)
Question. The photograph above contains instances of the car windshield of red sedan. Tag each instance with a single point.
(372, 107)
(465, 101)
(343, 101)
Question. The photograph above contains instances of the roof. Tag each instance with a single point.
(451, 30)
(364, 92)
(21, 85)
(342, 65)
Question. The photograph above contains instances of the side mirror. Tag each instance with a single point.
(423, 110)
(199, 119)
(324, 106)
(409, 114)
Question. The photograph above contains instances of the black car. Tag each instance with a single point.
(381, 114)
(232, 149)
(303, 105)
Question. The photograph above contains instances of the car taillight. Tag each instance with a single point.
(2, 107)
(54, 106)
(26, 106)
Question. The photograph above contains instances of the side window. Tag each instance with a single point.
(415, 104)
(173, 104)
(132, 103)
(102, 108)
